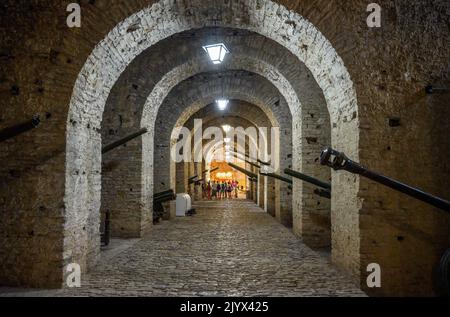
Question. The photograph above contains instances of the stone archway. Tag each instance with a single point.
(202, 90)
(121, 45)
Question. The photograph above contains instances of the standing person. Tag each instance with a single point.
(229, 189)
(219, 190)
(208, 190)
(224, 190)
(213, 190)
(236, 189)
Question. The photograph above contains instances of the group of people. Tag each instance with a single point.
(220, 190)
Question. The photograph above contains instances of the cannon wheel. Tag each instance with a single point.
(444, 272)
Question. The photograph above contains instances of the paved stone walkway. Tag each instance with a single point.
(229, 248)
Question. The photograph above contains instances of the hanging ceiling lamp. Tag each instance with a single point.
(216, 52)
(222, 104)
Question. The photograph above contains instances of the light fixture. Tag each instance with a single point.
(226, 128)
(222, 104)
(216, 52)
(227, 140)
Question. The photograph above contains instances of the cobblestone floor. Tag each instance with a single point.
(229, 248)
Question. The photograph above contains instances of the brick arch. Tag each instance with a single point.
(192, 95)
(257, 54)
(180, 168)
(122, 45)
(308, 115)
(197, 66)
(238, 111)
(239, 114)
(201, 90)
(133, 213)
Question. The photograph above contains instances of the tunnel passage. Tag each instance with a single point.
(98, 84)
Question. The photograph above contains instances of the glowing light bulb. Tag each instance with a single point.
(216, 52)
(222, 104)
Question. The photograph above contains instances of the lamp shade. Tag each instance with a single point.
(216, 52)
(222, 104)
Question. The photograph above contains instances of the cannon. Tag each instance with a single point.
(248, 160)
(123, 141)
(276, 176)
(252, 159)
(308, 179)
(199, 182)
(244, 171)
(11, 132)
(319, 192)
(252, 164)
(210, 171)
(339, 161)
(158, 200)
(164, 193)
(325, 190)
(323, 193)
(191, 180)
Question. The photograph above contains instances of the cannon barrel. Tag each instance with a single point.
(253, 164)
(244, 171)
(158, 200)
(307, 179)
(210, 171)
(247, 160)
(281, 178)
(126, 139)
(191, 180)
(319, 192)
(11, 132)
(164, 198)
(325, 193)
(339, 161)
(199, 182)
(250, 158)
(164, 193)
